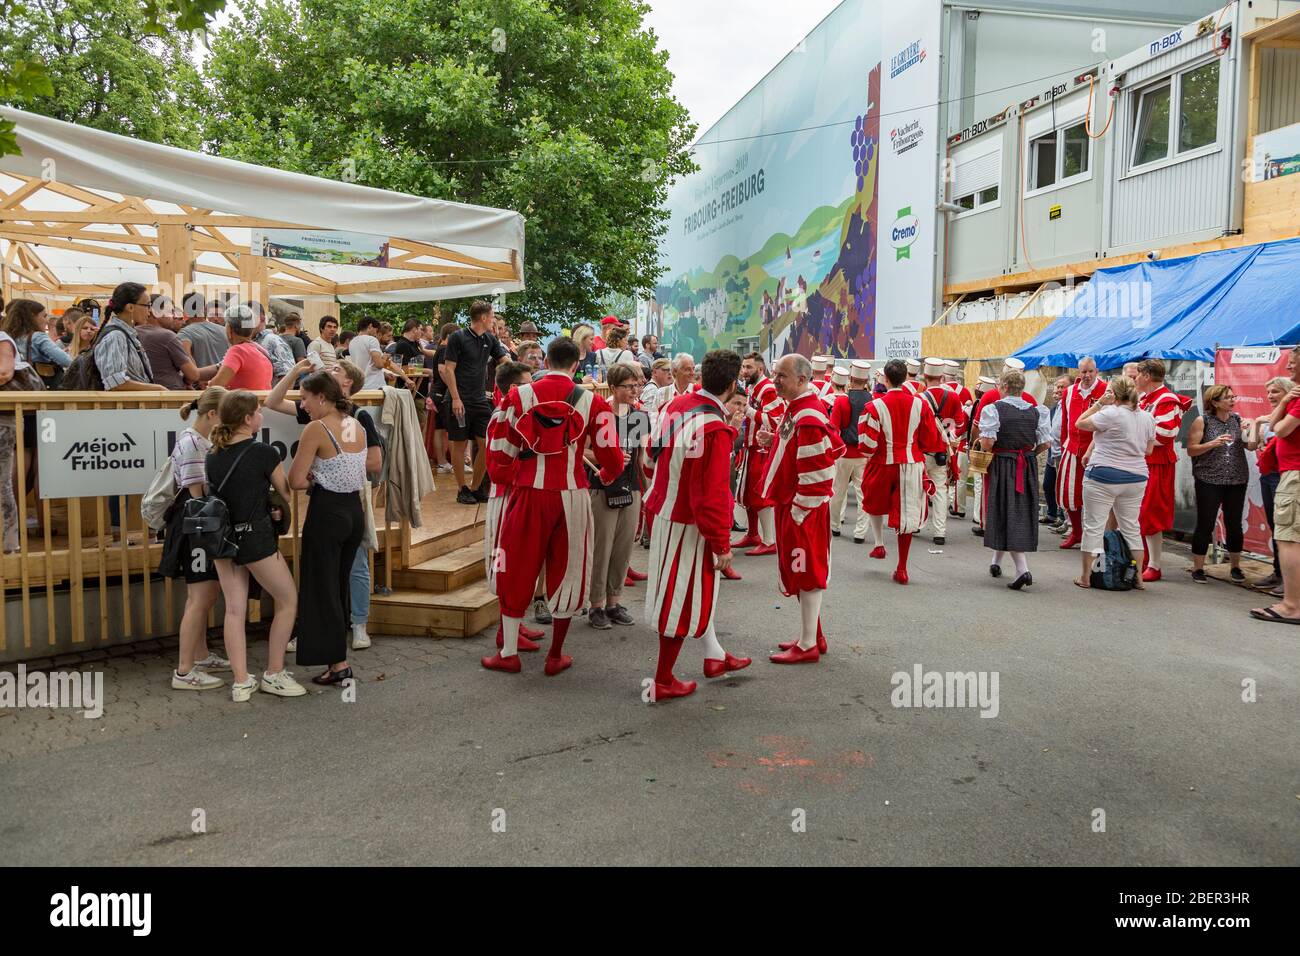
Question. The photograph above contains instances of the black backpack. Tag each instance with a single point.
(83, 374)
(206, 521)
(1114, 569)
(859, 398)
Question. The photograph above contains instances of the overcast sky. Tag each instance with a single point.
(718, 49)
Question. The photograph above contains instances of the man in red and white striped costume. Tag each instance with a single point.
(547, 516)
(951, 421)
(898, 430)
(1077, 399)
(913, 383)
(844, 417)
(821, 377)
(799, 479)
(764, 411)
(690, 537)
(1167, 408)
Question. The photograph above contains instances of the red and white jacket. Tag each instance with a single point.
(899, 428)
(825, 389)
(915, 386)
(841, 413)
(948, 411)
(801, 471)
(692, 475)
(1075, 401)
(1167, 408)
(765, 410)
(561, 471)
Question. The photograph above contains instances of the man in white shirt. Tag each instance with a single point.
(367, 354)
(660, 375)
(324, 345)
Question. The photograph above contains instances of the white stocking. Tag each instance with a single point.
(810, 609)
(767, 525)
(1155, 547)
(510, 635)
(712, 649)
(1022, 564)
(997, 557)
(877, 529)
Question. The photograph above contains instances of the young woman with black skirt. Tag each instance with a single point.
(245, 469)
(331, 465)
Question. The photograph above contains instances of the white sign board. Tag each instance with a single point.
(105, 453)
(1277, 153)
(909, 163)
(1260, 355)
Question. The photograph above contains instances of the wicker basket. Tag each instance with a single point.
(980, 461)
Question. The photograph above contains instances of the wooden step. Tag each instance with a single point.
(444, 573)
(414, 613)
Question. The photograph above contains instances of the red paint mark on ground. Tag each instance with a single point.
(750, 786)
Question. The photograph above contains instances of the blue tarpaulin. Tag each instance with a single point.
(1178, 310)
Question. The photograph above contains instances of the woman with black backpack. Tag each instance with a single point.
(26, 321)
(241, 472)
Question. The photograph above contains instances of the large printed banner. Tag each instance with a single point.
(905, 243)
(321, 245)
(104, 453)
(1247, 371)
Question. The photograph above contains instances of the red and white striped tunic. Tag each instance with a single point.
(1075, 401)
(915, 386)
(765, 410)
(899, 428)
(564, 470)
(1167, 408)
(825, 389)
(802, 470)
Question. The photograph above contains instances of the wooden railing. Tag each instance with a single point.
(75, 552)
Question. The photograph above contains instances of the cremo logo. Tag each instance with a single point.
(903, 233)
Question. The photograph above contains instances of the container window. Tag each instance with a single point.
(1151, 136)
(1074, 151)
(988, 195)
(1198, 113)
(1043, 156)
(966, 202)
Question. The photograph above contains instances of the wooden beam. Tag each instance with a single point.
(25, 191)
(313, 310)
(123, 217)
(1288, 26)
(39, 232)
(79, 247)
(254, 277)
(425, 249)
(394, 285)
(175, 260)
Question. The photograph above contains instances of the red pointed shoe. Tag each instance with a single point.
(629, 581)
(1070, 542)
(821, 644)
(731, 574)
(496, 662)
(748, 541)
(795, 656)
(636, 575)
(1151, 574)
(678, 688)
(531, 633)
(716, 668)
(879, 552)
(762, 550)
(556, 664)
(526, 642)
(900, 576)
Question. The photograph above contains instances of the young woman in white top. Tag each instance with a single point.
(179, 560)
(330, 465)
(615, 351)
(11, 363)
(1115, 471)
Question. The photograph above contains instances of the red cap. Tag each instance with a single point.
(610, 320)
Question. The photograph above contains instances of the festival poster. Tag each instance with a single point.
(772, 245)
(1277, 153)
(1247, 371)
(321, 245)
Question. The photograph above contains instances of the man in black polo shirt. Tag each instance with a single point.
(464, 369)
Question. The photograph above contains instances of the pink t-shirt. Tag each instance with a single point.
(251, 367)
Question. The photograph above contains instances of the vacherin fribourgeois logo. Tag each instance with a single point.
(903, 233)
(104, 454)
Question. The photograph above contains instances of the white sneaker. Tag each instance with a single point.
(360, 639)
(195, 680)
(213, 663)
(241, 691)
(444, 468)
(282, 685)
(292, 646)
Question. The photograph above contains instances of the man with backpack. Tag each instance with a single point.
(948, 414)
(848, 470)
(547, 516)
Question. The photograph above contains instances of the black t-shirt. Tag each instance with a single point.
(472, 354)
(245, 493)
(360, 414)
(438, 390)
(406, 350)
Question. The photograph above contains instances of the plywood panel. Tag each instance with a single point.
(979, 340)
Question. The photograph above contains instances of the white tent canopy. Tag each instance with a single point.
(75, 190)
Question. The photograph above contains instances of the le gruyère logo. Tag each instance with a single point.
(103, 454)
(903, 233)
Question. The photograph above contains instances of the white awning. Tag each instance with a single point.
(476, 238)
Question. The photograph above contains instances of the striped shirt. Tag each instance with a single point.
(1167, 408)
(899, 428)
(691, 477)
(765, 410)
(119, 355)
(802, 469)
(189, 459)
(1075, 402)
(278, 351)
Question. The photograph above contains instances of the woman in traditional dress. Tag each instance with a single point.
(1016, 433)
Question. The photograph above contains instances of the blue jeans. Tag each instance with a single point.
(1049, 490)
(359, 586)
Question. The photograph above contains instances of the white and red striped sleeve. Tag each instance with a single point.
(869, 428)
(771, 408)
(502, 451)
(1168, 414)
(818, 450)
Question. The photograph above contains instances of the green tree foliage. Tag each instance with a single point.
(107, 67)
(560, 109)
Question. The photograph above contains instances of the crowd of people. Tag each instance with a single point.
(574, 481)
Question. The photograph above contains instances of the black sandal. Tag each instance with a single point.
(331, 677)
